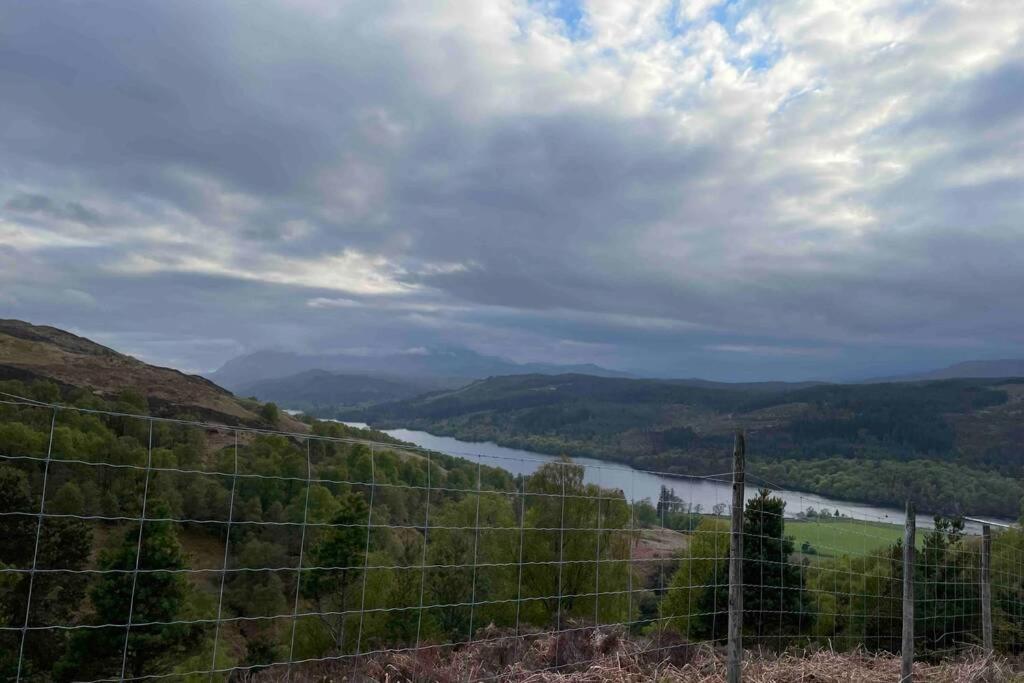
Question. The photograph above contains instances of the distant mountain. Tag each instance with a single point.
(319, 392)
(766, 387)
(454, 366)
(986, 369)
(30, 352)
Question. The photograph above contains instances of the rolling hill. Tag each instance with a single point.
(1008, 367)
(319, 392)
(446, 367)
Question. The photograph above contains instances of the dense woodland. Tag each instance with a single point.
(370, 556)
(954, 446)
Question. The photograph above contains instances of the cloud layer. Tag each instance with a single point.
(796, 188)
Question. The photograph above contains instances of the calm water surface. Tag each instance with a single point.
(638, 484)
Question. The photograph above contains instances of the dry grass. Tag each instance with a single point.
(602, 656)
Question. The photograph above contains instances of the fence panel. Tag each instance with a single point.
(138, 548)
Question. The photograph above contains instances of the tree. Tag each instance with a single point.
(158, 597)
(698, 568)
(17, 532)
(452, 553)
(676, 513)
(258, 594)
(63, 544)
(774, 602)
(949, 608)
(271, 413)
(561, 568)
(341, 552)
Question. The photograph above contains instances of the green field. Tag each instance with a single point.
(832, 537)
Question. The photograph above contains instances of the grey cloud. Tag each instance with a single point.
(45, 207)
(518, 208)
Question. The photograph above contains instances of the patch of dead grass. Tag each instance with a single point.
(588, 655)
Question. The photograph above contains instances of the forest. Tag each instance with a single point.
(952, 445)
(334, 548)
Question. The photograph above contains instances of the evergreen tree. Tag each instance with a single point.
(258, 594)
(63, 544)
(341, 552)
(158, 597)
(775, 604)
(947, 601)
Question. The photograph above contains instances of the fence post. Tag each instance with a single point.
(909, 541)
(986, 588)
(735, 648)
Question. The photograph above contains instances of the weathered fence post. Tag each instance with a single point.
(735, 650)
(909, 541)
(986, 588)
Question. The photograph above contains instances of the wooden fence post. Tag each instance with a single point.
(986, 588)
(909, 541)
(734, 672)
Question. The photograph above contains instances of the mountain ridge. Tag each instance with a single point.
(987, 369)
(314, 390)
(445, 364)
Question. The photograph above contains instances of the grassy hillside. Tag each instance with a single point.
(953, 445)
(34, 352)
(835, 537)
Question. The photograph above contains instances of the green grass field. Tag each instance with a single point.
(831, 537)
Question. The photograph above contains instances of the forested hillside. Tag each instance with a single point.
(193, 479)
(319, 391)
(260, 546)
(953, 445)
(332, 548)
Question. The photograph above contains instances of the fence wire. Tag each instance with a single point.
(137, 548)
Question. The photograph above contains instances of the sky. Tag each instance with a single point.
(736, 190)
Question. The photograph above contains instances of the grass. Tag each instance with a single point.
(833, 537)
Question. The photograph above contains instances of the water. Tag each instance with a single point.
(638, 484)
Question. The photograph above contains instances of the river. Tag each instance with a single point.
(640, 484)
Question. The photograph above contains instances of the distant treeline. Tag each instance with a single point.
(828, 439)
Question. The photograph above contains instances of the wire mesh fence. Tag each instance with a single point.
(137, 548)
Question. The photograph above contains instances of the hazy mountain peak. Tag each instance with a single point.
(445, 362)
(1005, 367)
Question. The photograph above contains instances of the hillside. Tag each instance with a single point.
(955, 445)
(1008, 367)
(36, 352)
(449, 367)
(318, 391)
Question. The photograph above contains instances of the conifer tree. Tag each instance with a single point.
(158, 597)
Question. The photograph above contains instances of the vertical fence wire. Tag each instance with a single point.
(35, 549)
(366, 551)
(227, 546)
(476, 547)
(563, 474)
(522, 532)
(423, 559)
(138, 550)
(298, 569)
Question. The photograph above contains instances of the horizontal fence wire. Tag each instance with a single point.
(138, 548)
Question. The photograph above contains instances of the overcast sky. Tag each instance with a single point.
(732, 190)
